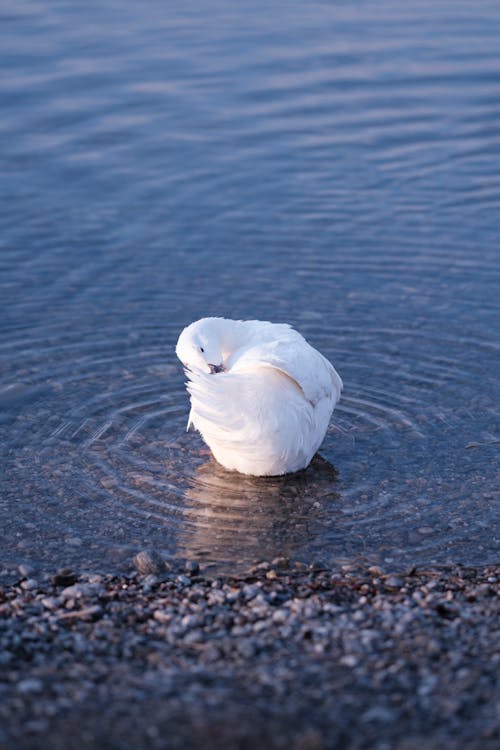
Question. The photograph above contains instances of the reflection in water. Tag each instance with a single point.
(238, 519)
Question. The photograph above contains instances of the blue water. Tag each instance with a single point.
(332, 165)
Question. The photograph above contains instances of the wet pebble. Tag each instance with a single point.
(29, 585)
(64, 577)
(80, 590)
(149, 583)
(393, 582)
(147, 562)
(26, 570)
(30, 685)
(50, 602)
(87, 613)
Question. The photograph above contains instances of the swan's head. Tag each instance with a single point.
(199, 346)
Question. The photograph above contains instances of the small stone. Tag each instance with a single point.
(282, 563)
(280, 616)
(349, 660)
(250, 591)
(425, 530)
(393, 582)
(26, 570)
(79, 590)
(95, 578)
(64, 577)
(317, 565)
(29, 585)
(30, 685)
(379, 714)
(87, 613)
(298, 565)
(447, 610)
(194, 636)
(192, 568)
(246, 649)
(50, 602)
(149, 583)
(162, 617)
(259, 568)
(36, 726)
(150, 562)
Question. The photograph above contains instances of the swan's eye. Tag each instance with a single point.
(202, 349)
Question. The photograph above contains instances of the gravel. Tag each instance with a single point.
(287, 656)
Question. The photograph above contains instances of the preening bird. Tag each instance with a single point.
(261, 396)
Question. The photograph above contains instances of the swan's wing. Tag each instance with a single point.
(246, 408)
(215, 403)
(293, 356)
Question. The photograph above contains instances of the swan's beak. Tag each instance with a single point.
(216, 368)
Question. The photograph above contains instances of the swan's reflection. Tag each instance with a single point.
(236, 520)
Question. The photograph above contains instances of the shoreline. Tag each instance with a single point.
(285, 656)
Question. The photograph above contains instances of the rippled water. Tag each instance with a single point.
(333, 165)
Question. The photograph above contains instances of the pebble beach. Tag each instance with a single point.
(285, 656)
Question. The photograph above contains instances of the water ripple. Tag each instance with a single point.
(331, 166)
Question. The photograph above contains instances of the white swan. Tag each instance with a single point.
(261, 396)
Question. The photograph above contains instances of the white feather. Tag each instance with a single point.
(268, 412)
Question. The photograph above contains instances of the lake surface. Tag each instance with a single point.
(332, 165)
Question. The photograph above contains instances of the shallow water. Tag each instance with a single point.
(336, 166)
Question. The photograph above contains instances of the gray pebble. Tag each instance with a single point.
(64, 577)
(378, 714)
(250, 591)
(147, 562)
(246, 648)
(29, 585)
(162, 617)
(26, 570)
(50, 602)
(149, 583)
(192, 567)
(349, 660)
(79, 590)
(393, 582)
(194, 636)
(30, 685)
(37, 726)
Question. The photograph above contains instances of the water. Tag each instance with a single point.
(333, 165)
